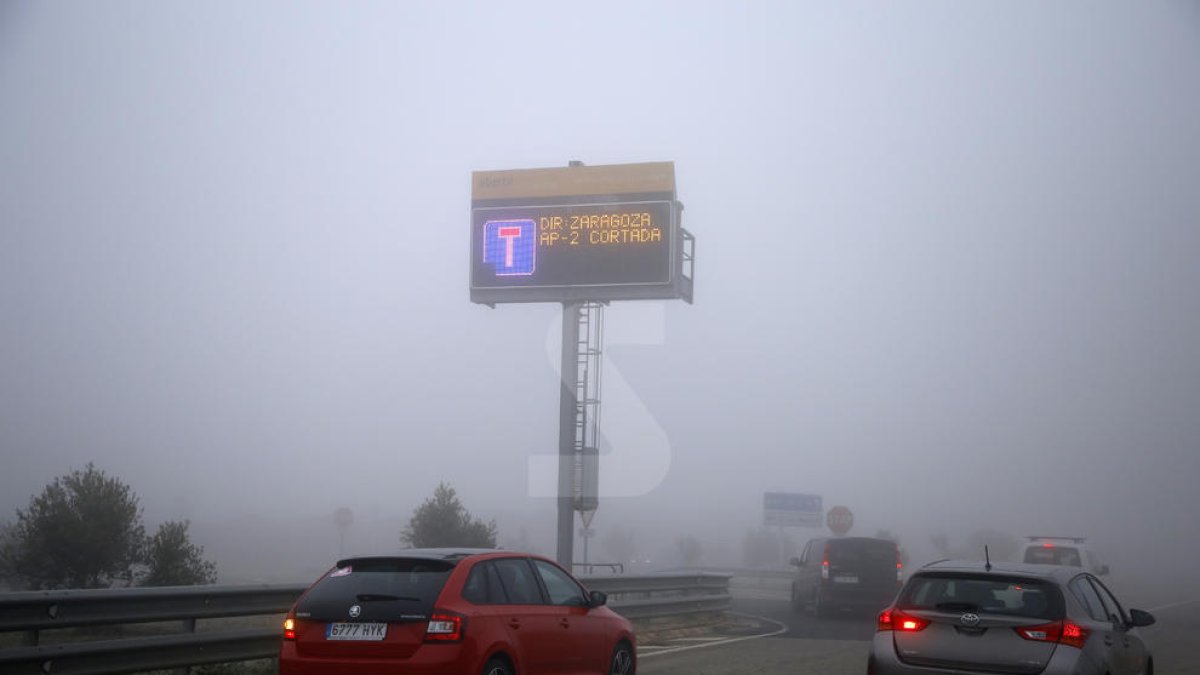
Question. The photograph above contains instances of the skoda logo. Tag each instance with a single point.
(966, 619)
(355, 610)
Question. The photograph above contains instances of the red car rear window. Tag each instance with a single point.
(385, 589)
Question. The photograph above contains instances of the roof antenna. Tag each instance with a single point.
(987, 565)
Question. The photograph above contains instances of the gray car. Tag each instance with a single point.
(959, 618)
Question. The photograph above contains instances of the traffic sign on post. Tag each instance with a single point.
(789, 509)
(839, 520)
(581, 236)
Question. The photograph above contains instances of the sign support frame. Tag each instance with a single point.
(567, 410)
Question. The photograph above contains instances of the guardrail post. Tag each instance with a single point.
(189, 626)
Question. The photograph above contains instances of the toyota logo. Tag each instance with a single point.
(355, 610)
(969, 619)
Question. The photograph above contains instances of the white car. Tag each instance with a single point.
(1069, 551)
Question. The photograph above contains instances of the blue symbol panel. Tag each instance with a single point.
(510, 246)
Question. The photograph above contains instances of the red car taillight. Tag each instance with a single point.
(893, 619)
(1063, 632)
(444, 627)
(899, 567)
(289, 628)
(825, 563)
(1073, 634)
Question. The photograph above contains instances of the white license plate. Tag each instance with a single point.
(355, 631)
(846, 579)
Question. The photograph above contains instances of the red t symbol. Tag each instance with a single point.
(508, 234)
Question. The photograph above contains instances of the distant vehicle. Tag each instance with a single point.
(964, 617)
(453, 611)
(846, 573)
(1069, 551)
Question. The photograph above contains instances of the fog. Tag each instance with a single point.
(948, 265)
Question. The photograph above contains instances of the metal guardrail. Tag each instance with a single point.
(132, 655)
(658, 595)
(43, 610)
(30, 613)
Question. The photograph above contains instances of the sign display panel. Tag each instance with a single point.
(578, 233)
(575, 245)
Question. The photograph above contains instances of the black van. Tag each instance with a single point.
(861, 573)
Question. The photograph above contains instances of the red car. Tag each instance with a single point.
(459, 611)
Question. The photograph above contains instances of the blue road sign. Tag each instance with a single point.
(792, 509)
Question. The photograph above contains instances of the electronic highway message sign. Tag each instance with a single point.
(578, 233)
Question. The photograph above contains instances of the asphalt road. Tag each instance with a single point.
(801, 644)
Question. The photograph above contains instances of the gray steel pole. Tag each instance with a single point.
(567, 411)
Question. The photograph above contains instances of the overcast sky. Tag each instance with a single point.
(948, 262)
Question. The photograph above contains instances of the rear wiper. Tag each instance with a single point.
(370, 597)
(957, 606)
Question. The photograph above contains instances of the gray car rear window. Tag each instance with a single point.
(992, 594)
